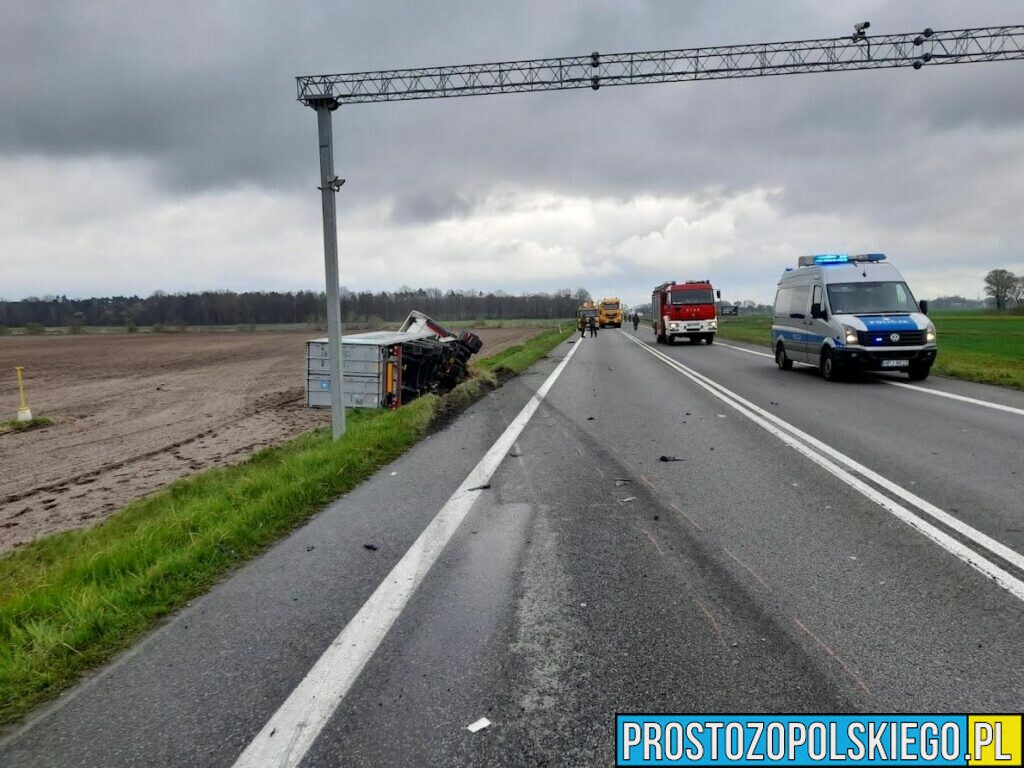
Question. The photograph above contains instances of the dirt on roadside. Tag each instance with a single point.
(134, 412)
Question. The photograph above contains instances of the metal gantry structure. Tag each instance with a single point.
(325, 93)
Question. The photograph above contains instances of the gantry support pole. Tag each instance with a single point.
(329, 186)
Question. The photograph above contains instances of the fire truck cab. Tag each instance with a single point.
(685, 309)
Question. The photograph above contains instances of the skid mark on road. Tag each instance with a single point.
(654, 541)
(748, 569)
(833, 655)
(712, 621)
(693, 522)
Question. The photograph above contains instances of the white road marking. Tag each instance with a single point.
(915, 387)
(961, 398)
(802, 442)
(292, 729)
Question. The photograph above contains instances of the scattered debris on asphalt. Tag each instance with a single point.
(590, 418)
(669, 458)
(479, 725)
(620, 481)
(371, 547)
(627, 499)
(483, 487)
(311, 547)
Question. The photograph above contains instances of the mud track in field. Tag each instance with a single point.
(135, 412)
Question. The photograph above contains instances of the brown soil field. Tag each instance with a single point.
(134, 412)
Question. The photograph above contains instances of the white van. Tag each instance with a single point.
(842, 312)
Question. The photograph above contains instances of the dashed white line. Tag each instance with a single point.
(803, 444)
(916, 388)
(292, 729)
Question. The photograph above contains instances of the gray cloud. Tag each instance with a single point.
(205, 94)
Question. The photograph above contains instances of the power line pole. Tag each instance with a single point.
(329, 186)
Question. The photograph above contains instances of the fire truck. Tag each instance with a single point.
(684, 309)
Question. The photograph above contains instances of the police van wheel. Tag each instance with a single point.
(919, 372)
(829, 369)
(781, 359)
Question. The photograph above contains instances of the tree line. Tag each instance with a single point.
(260, 307)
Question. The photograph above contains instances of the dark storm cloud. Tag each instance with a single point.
(206, 91)
(204, 94)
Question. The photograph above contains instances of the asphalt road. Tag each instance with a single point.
(875, 570)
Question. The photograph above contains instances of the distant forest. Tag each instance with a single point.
(229, 308)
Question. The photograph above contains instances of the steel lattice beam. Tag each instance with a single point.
(957, 46)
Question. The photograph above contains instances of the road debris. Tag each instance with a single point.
(669, 458)
(483, 487)
(627, 499)
(479, 725)
(371, 547)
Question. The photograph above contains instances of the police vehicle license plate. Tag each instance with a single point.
(895, 363)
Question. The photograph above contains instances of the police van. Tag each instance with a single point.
(851, 312)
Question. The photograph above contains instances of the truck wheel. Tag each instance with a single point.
(693, 339)
(918, 372)
(661, 338)
(709, 338)
(670, 339)
(829, 368)
(782, 359)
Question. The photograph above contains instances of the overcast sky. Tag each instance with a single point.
(148, 146)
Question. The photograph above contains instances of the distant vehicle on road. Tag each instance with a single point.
(842, 312)
(586, 311)
(684, 310)
(610, 312)
(731, 310)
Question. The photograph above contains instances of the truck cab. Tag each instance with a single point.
(685, 310)
(610, 313)
(843, 312)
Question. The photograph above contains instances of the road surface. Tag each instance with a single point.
(815, 547)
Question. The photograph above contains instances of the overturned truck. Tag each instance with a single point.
(385, 369)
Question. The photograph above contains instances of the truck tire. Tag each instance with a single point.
(670, 339)
(709, 338)
(918, 372)
(660, 338)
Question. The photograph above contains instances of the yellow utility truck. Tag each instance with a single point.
(610, 313)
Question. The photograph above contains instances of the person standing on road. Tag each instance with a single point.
(592, 326)
(636, 321)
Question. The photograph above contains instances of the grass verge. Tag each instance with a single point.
(20, 426)
(68, 602)
(980, 347)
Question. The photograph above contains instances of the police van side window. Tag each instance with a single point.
(798, 306)
(782, 300)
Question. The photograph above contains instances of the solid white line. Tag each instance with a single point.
(291, 731)
(744, 349)
(915, 387)
(801, 441)
(962, 398)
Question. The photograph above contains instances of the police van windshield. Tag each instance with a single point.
(870, 298)
(698, 296)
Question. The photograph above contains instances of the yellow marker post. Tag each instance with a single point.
(24, 412)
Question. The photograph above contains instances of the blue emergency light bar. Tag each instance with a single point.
(839, 258)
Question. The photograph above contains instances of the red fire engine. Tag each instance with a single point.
(685, 309)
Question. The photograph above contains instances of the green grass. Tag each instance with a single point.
(20, 426)
(982, 347)
(69, 601)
